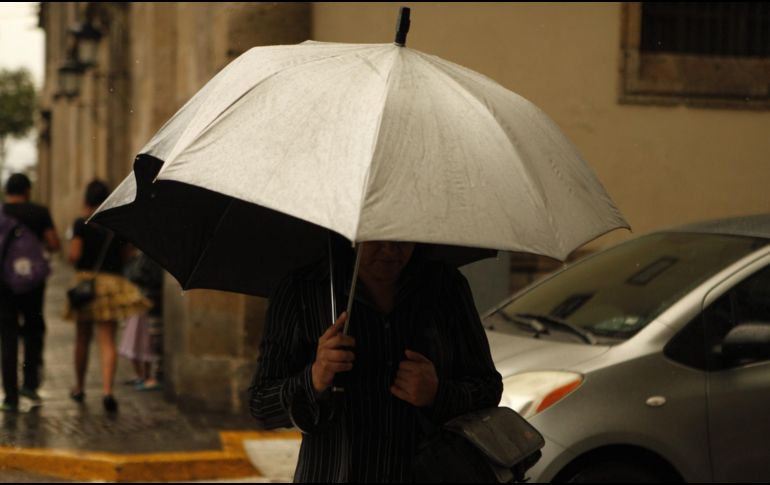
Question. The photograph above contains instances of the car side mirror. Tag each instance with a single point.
(748, 342)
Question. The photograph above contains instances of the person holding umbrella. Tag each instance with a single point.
(417, 355)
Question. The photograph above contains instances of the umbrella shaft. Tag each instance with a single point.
(331, 279)
(337, 389)
(353, 285)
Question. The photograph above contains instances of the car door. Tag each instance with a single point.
(738, 392)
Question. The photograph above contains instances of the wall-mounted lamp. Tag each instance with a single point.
(70, 72)
(44, 130)
(87, 41)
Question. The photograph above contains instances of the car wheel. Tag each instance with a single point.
(616, 472)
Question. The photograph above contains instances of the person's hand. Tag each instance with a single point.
(416, 381)
(332, 355)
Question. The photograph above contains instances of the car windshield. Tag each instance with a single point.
(609, 297)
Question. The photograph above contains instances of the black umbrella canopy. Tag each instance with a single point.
(206, 239)
(209, 240)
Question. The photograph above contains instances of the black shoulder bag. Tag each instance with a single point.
(85, 291)
(493, 445)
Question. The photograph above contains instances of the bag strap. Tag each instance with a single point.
(103, 253)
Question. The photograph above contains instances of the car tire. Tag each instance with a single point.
(616, 472)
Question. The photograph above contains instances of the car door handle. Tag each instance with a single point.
(656, 401)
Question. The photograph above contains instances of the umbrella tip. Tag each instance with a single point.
(402, 26)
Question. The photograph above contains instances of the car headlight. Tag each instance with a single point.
(532, 392)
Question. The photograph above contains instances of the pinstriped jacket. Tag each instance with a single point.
(369, 435)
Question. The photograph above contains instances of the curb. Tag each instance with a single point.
(229, 462)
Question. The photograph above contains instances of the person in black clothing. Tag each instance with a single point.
(416, 354)
(29, 305)
(116, 297)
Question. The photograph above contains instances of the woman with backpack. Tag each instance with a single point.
(99, 258)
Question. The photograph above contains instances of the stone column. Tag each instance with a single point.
(211, 338)
(87, 135)
(58, 161)
(114, 90)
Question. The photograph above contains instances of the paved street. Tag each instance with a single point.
(16, 476)
(145, 424)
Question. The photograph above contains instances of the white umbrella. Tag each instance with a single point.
(371, 141)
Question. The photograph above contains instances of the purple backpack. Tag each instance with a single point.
(23, 265)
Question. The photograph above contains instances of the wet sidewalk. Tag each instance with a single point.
(149, 439)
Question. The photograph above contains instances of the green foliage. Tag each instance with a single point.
(17, 102)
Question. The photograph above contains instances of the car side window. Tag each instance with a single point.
(746, 303)
(700, 343)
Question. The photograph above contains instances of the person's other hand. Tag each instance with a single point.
(332, 355)
(416, 381)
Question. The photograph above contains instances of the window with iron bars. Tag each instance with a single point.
(695, 53)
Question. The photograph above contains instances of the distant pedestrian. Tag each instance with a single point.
(28, 305)
(139, 340)
(115, 298)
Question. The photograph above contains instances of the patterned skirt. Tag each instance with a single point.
(116, 298)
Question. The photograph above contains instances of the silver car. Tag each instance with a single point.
(648, 361)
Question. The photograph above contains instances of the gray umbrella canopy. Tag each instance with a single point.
(372, 142)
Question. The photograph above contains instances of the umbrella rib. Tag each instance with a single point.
(533, 182)
(365, 189)
(208, 243)
(207, 88)
(175, 152)
(436, 62)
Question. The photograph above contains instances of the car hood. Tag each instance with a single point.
(513, 354)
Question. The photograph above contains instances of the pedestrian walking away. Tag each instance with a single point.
(27, 304)
(99, 258)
